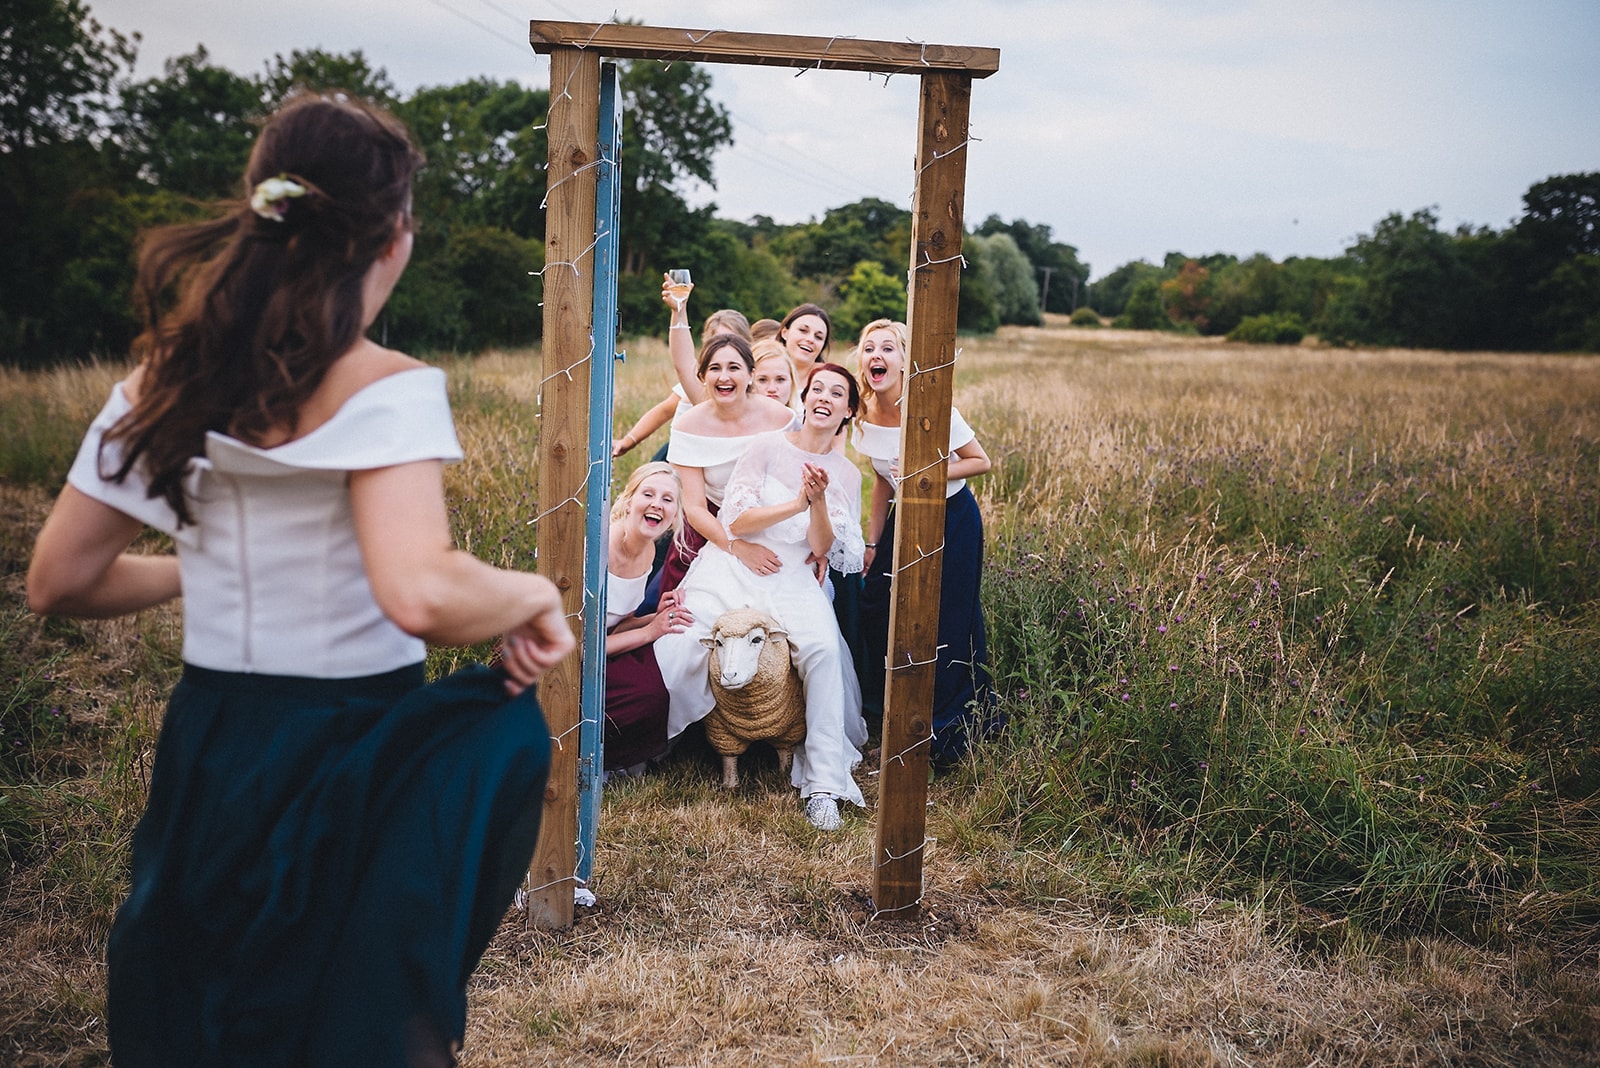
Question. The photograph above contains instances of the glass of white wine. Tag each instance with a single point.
(679, 286)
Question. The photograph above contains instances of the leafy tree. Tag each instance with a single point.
(978, 307)
(671, 132)
(1065, 279)
(61, 70)
(190, 131)
(1009, 276)
(1144, 309)
(1187, 296)
(1110, 295)
(60, 66)
(315, 70)
(1570, 319)
(869, 293)
(1416, 290)
(868, 229)
(486, 150)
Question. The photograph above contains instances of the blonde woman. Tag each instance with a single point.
(773, 374)
(648, 510)
(963, 702)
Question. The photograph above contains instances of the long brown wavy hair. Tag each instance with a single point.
(244, 313)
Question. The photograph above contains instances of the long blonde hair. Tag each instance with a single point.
(901, 338)
(619, 507)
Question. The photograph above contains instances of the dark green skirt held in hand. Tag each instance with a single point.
(320, 866)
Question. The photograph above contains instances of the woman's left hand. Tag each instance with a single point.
(814, 483)
(671, 617)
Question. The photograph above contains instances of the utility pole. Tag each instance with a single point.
(1044, 290)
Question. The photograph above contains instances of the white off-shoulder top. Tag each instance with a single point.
(881, 444)
(273, 579)
(623, 596)
(714, 456)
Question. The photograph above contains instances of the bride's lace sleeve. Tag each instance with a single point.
(848, 552)
(744, 485)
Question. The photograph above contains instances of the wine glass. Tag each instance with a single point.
(679, 286)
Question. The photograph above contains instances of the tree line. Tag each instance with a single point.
(1534, 286)
(89, 157)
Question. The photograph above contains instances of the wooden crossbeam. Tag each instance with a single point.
(620, 41)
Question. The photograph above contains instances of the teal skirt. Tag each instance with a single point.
(320, 866)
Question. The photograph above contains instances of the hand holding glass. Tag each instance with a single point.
(679, 286)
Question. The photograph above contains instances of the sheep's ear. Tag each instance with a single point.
(777, 632)
(709, 643)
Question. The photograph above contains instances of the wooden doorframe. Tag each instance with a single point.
(934, 274)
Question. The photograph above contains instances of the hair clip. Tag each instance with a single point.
(271, 197)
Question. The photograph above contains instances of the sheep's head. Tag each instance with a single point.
(737, 642)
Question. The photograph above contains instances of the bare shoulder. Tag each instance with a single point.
(133, 384)
(366, 363)
(696, 420)
(774, 416)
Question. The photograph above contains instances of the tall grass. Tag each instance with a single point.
(1314, 625)
(1320, 625)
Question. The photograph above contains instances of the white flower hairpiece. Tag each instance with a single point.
(270, 200)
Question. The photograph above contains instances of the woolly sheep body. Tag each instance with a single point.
(762, 702)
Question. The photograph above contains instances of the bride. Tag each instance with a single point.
(792, 494)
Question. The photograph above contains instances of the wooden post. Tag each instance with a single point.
(936, 229)
(563, 450)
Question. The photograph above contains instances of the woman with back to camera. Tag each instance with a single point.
(963, 703)
(329, 844)
(796, 497)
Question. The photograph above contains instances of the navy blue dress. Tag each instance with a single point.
(321, 865)
(963, 700)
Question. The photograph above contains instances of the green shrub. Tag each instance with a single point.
(1277, 328)
(1085, 317)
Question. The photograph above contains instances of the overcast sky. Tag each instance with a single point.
(1130, 127)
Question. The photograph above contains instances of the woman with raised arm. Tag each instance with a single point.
(706, 442)
(648, 509)
(963, 702)
(329, 843)
(686, 392)
(796, 497)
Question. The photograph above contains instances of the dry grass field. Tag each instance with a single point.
(1301, 650)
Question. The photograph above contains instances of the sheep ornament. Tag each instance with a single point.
(757, 690)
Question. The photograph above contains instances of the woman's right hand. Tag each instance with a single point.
(674, 294)
(758, 558)
(534, 646)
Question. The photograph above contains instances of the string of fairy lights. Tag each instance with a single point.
(578, 498)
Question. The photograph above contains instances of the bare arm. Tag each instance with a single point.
(648, 424)
(631, 633)
(969, 461)
(80, 565)
(878, 518)
(437, 592)
(680, 345)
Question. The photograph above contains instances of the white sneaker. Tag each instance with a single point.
(823, 812)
